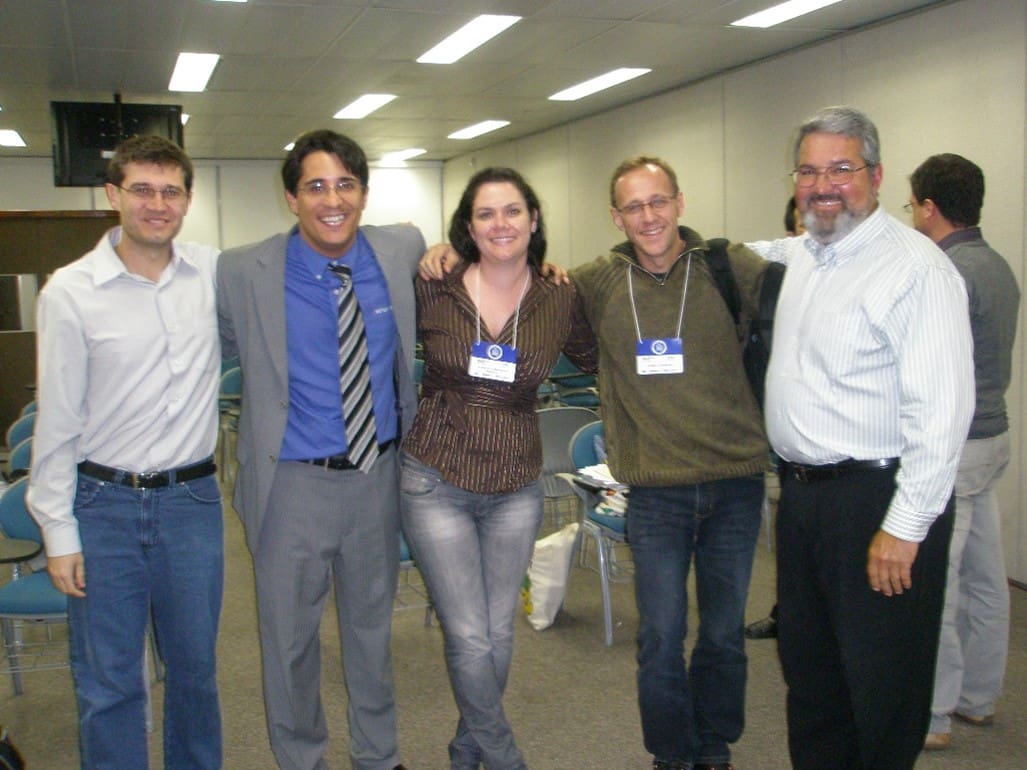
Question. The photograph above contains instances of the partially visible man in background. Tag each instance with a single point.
(948, 192)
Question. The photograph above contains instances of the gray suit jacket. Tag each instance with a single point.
(251, 315)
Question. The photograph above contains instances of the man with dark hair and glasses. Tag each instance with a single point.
(869, 397)
(122, 481)
(946, 200)
(322, 319)
(684, 430)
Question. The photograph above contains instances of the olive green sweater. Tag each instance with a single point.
(674, 429)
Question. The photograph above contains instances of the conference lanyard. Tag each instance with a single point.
(493, 360)
(659, 355)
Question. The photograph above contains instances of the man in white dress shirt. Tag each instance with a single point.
(870, 392)
(122, 481)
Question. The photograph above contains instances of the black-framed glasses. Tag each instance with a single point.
(320, 188)
(908, 207)
(146, 193)
(657, 203)
(806, 176)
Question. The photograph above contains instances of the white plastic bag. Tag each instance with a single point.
(545, 585)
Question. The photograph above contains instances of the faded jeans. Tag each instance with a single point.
(473, 551)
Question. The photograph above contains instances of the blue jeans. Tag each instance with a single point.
(148, 550)
(691, 715)
(473, 551)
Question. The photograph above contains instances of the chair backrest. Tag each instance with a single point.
(231, 382)
(29, 408)
(566, 374)
(582, 446)
(21, 457)
(15, 520)
(229, 363)
(21, 429)
(557, 426)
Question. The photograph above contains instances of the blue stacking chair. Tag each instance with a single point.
(28, 601)
(607, 532)
(20, 461)
(20, 429)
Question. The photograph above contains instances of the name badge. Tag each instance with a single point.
(663, 355)
(492, 361)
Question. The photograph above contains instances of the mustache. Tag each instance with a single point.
(824, 198)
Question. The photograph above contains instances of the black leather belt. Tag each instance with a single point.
(341, 462)
(150, 479)
(808, 473)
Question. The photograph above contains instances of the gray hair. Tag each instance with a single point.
(843, 121)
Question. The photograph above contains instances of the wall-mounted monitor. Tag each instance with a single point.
(86, 133)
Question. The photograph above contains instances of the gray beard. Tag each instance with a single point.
(831, 232)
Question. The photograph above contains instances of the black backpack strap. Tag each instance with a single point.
(720, 269)
(769, 292)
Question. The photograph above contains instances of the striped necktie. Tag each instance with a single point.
(355, 376)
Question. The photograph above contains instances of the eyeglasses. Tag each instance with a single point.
(908, 207)
(806, 176)
(342, 187)
(144, 192)
(659, 203)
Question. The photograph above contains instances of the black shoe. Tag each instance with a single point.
(659, 764)
(762, 629)
(717, 766)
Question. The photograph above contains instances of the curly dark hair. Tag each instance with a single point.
(459, 234)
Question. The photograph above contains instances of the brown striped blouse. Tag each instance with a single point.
(483, 435)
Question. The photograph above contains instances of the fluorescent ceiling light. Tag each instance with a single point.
(473, 34)
(11, 138)
(186, 115)
(478, 129)
(192, 71)
(782, 12)
(289, 146)
(400, 157)
(363, 106)
(600, 83)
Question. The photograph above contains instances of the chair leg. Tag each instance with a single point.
(604, 580)
(768, 522)
(11, 633)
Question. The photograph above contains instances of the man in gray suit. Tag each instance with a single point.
(311, 515)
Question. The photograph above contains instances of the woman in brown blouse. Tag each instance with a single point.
(492, 330)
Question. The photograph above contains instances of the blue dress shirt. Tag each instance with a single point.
(315, 425)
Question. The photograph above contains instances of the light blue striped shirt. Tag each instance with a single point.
(872, 358)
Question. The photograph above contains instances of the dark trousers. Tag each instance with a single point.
(859, 665)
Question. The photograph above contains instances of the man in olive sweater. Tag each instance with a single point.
(684, 430)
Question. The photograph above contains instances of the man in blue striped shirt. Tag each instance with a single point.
(870, 392)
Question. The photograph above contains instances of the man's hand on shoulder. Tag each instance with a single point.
(890, 562)
(441, 258)
(555, 273)
(437, 261)
(68, 573)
